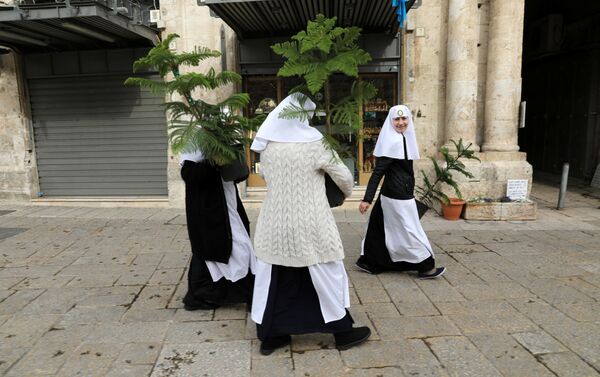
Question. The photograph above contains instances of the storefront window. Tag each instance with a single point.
(263, 92)
(339, 87)
(375, 113)
(267, 91)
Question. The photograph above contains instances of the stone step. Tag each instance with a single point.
(257, 194)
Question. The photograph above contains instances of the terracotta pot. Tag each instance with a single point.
(453, 210)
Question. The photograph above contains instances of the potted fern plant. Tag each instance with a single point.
(315, 54)
(218, 130)
(431, 193)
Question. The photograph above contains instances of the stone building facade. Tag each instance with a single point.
(18, 171)
(462, 78)
(460, 73)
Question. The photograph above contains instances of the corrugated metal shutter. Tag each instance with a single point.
(96, 137)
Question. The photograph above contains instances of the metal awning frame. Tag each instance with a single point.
(69, 11)
(289, 11)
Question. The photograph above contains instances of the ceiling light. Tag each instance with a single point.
(88, 32)
(22, 38)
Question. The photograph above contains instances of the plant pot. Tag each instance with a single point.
(421, 208)
(453, 210)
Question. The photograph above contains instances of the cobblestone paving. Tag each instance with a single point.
(97, 292)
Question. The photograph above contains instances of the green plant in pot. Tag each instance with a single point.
(431, 192)
(315, 54)
(217, 130)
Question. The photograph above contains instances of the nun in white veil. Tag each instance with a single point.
(395, 240)
(301, 284)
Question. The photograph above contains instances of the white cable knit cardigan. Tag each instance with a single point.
(295, 227)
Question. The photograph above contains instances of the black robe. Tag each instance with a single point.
(293, 306)
(206, 212)
(210, 236)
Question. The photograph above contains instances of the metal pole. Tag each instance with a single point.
(522, 112)
(563, 186)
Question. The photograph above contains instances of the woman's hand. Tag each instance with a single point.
(363, 207)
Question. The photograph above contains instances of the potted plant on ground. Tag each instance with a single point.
(217, 130)
(431, 193)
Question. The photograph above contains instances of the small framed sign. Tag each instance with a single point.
(517, 188)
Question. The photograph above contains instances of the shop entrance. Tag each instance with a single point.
(266, 91)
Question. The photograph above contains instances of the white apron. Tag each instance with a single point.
(405, 238)
(242, 254)
(329, 279)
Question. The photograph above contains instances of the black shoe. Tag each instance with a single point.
(200, 305)
(436, 274)
(348, 339)
(270, 345)
(364, 266)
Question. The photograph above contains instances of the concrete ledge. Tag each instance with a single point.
(501, 211)
(104, 202)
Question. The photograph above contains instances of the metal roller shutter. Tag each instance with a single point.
(96, 137)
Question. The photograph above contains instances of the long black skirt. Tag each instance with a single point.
(376, 254)
(201, 286)
(293, 306)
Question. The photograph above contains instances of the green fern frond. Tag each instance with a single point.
(156, 87)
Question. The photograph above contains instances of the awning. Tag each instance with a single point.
(73, 25)
(280, 18)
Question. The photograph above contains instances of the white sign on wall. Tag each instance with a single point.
(517, 188)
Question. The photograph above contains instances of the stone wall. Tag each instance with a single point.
(423, 72)
(447, 82)
(487, 93)
(196, 27)
(18, 172)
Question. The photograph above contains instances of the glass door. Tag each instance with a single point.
(264, 97)
(374, 114)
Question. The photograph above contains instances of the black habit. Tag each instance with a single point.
(210, 236)
(206, 212)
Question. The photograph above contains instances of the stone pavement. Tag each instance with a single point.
(97, 292)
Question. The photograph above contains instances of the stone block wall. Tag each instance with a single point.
(18, 172)
(196, 27)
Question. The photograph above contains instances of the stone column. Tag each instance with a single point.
(18, 169)
(503, 84)
(461, 72)
(196, 27)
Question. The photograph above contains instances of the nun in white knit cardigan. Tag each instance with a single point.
(301, 285)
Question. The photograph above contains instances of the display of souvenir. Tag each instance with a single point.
(265, 106)
(378, 104)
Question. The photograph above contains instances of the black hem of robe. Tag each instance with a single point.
(376, 253)
(202, 288)
(293, 306)
(207, 218)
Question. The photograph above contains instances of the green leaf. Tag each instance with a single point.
(156, 87)
(194, 124)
